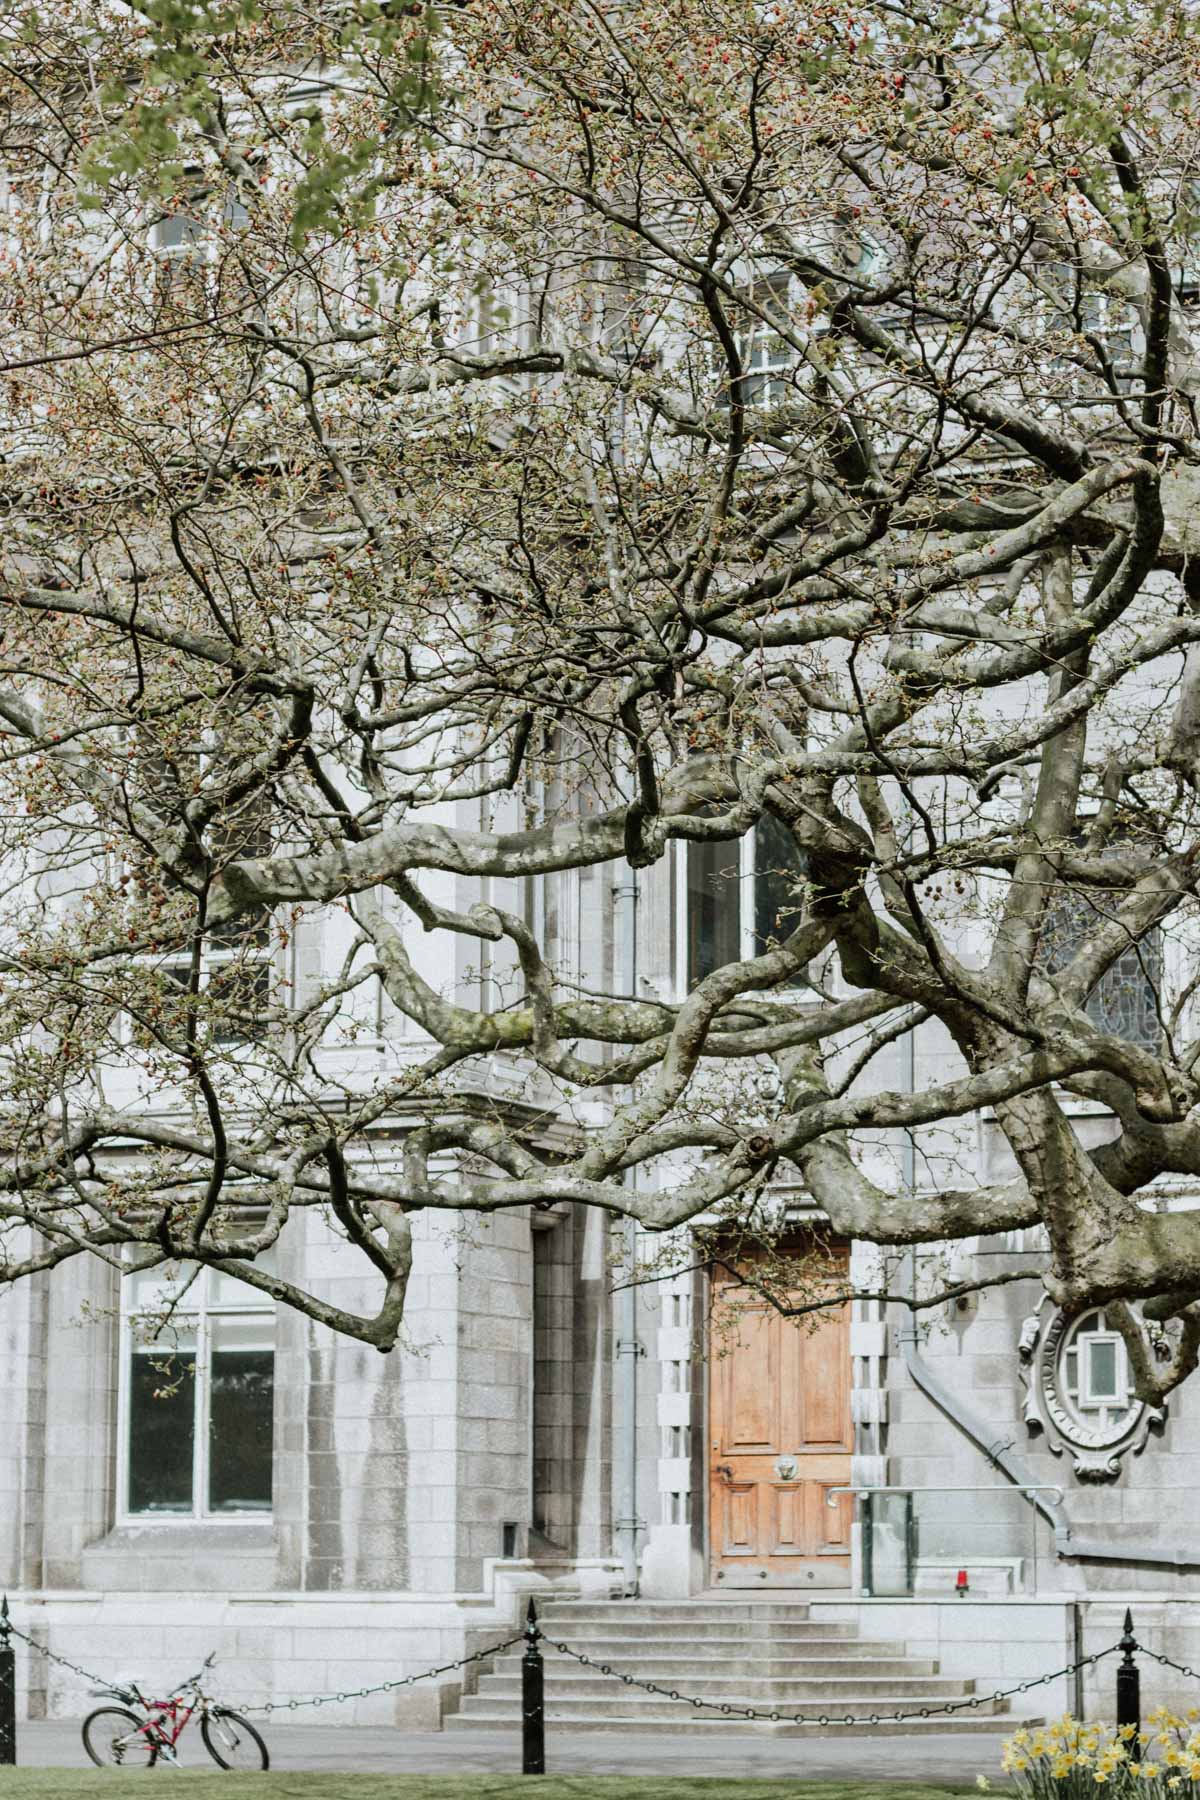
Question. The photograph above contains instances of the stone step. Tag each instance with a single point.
(734, 1686)
(768, 1656)
(756, 1607)
(701, 1726)
(675, 1668)
(636, 1708)
(680, 1632)
(667, 1643)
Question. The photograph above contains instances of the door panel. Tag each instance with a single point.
(741, 1519)
(825, 1389)
(779, 1389)
(748, 1396)
(790, 1534)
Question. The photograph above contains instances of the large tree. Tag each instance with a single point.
(636, 422)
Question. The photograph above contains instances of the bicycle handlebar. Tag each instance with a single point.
(192, 1680)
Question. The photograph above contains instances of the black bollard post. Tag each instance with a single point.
(533, 1715)
(8, 1689)
(1129, 1689)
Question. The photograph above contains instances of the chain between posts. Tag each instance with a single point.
(382, 1687)
(1169, 1662)
(50, 1655)
(730, 1711)
(273, 1706)
(724, 1708)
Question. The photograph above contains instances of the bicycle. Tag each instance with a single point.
(115, 1735)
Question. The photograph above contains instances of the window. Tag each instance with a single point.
(179, 233)
(188, 242)
(714, 920)
(742, 898)
(768, 360)
(184, 230)
(1092, 312)
(235, 978)
(236, 959)
(197, 1395)
(1125, 1001)
(1079, 1393)
(1095, 1373)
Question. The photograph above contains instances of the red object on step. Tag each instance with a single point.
(962, 1585)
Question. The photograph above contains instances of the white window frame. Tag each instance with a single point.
(1091, 1408)
(213, 959)
(1089, 1398)
(199, 249)
(768, 361)
(745, 914)
(214, 956)
(196, 1304)
(1114, 318)
(746, 872)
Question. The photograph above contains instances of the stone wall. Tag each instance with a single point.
(277, 1647)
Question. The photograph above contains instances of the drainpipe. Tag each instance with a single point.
(626, 1523)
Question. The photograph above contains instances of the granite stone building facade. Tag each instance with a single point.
(240, 1478)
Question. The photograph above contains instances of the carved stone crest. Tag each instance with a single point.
(1097, 1431)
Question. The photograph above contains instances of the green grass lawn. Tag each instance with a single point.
(73, 1784)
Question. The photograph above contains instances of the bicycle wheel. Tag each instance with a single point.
(232, 1741)
(112, 1736)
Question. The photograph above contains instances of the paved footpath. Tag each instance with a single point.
(944, 1757)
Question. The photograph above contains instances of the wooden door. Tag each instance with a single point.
(779, 1440)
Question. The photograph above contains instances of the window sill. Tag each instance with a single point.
(258, 1528)
(191, 1554)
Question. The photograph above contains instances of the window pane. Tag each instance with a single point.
(178, 231)
(238, 994)
(162, 1426)
(778, 873)
(1125, 1001)
(1102, 1369)
(149, 1290)
(714, 926)
(226, 1290)
(241, 1405)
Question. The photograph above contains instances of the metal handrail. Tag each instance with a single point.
(1027, 1490)
(977, 1487)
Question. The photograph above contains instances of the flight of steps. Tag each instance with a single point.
(769, 1655)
